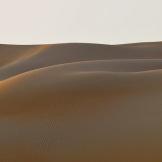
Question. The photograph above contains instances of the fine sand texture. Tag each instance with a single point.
(80, 102)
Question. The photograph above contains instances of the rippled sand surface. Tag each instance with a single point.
(81, 103)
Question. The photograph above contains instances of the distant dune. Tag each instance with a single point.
(81, 102)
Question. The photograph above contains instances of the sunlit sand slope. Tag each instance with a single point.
(81, 103)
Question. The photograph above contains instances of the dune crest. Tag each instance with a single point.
(81, 102)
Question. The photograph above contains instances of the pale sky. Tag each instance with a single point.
(93, 21)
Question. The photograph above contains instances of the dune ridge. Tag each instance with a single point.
(48, 55)
(81, 102)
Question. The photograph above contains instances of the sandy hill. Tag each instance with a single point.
(81, 102)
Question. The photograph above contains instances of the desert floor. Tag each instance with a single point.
(81, 102)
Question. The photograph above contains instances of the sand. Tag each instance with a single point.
(81, 102)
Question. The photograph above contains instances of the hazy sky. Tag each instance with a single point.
(97, 21)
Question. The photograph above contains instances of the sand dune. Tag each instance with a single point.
(35, 57)
(81, 102)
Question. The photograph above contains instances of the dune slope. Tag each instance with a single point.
(81, 102)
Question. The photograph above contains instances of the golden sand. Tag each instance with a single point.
(81, 103)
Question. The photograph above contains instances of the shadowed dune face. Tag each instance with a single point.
(81, 102)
